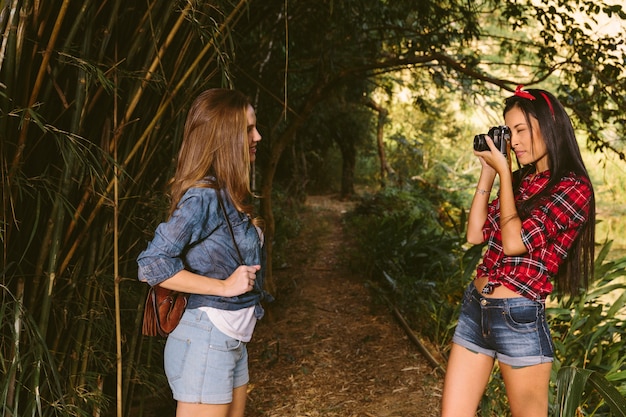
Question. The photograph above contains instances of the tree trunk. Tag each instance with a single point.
(348, 155)
(385, 169)
(276, 150)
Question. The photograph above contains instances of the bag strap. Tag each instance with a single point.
(230, 227)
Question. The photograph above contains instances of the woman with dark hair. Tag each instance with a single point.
(211, 247)
(539, 229)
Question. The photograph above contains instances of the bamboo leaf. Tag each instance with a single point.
(610, 394)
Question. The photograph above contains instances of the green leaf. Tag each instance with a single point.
(617, 305)
(570, 384)
(610, 394)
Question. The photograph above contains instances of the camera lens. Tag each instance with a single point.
(480, 144)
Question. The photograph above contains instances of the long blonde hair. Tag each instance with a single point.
(215, 144)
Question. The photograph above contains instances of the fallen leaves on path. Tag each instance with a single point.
(326, 347)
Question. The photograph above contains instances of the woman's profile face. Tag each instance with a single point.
(253, 134)
(528, 148)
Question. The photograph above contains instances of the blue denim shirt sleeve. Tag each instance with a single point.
(197, 238)
(189, 223)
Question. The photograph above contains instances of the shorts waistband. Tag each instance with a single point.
(489, 301)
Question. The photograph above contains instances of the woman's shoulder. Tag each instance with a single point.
(572, 182)
(201, 191)
(198, 197)
(572, 178)
(204, 188)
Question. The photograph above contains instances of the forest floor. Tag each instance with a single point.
(328, 348)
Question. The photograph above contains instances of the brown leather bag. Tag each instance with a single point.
(163, 310)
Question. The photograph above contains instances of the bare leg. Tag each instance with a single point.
(238, 406)
(201, 410)
(234, 409)
(527, 389)
(466, 378)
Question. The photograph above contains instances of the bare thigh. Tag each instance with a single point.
(234, 409)
(527, 389)
(467, 375)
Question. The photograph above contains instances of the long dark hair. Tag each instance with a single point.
(563, 158)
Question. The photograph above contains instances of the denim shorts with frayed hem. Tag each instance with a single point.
(513, 330)
(202, 364)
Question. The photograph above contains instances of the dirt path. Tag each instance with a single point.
(328, 349)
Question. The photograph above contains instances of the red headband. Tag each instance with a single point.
(525, 94)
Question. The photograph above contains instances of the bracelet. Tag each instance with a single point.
(481, 191)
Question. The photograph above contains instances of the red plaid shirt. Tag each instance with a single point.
(548, 233)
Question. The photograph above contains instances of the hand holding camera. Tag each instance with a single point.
(501, 136)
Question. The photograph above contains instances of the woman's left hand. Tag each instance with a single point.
(241, 280)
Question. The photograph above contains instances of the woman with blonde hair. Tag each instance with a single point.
(211, 247)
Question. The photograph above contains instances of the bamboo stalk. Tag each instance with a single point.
(21, 143)
(149, 73)
(131, 107)
(67, 45)
(9, 46)
(15, 353)
(7, 32)
(82, 342)
(57, 212)
(83, 335)
(134, 355)
(116, 263)
(139, 41)
(146, 133)
(109, 32)
(116, 275)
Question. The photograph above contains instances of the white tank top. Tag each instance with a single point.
(238, 324)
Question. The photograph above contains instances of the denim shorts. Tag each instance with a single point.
(202, 364)
(513, 330)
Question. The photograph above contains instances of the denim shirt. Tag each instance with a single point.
(196, 237)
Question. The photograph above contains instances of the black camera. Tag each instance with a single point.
(500, 135)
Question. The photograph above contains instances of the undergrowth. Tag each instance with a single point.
(409, 241)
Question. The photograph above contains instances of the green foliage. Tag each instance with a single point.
(589, 331)
(21, 362)
(287, 223)
(404, 244)
(92, 102)
(402, 239)
(571, 385)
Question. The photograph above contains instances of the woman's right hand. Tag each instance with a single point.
(492, 160)
(241, 280)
